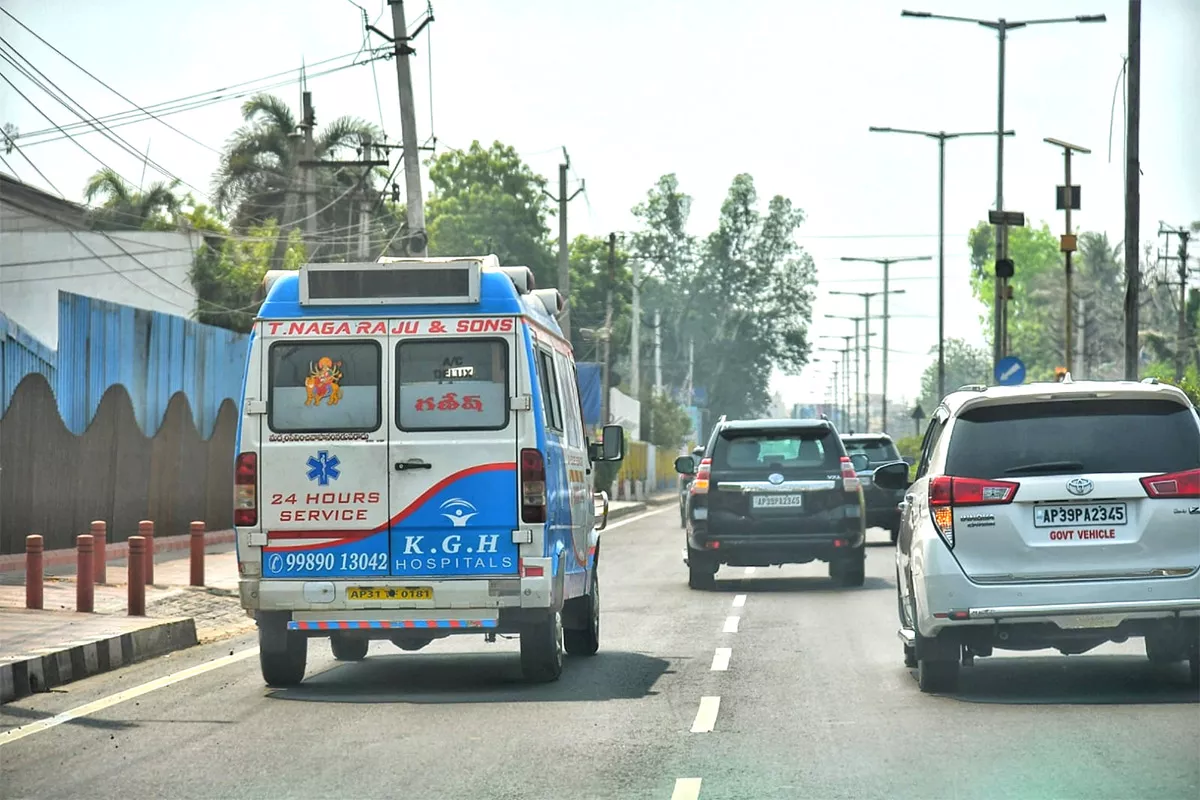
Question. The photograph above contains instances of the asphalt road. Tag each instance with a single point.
(803, 696)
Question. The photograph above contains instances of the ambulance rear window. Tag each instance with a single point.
(316, 387)
(452, 385)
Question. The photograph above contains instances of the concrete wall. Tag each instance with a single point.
(143, 269)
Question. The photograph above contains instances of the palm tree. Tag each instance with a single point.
(260, 176)
(124, 208)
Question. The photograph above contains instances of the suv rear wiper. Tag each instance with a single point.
(1046, 466)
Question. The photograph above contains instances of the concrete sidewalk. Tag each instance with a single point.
(43, 649)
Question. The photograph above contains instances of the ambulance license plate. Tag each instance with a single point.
(389, 593)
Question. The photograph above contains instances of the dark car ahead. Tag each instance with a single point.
(882, 504)
(774, 492)
(685, 485)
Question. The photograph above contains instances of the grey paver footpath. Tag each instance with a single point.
(46, 648)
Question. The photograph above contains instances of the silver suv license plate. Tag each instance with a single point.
(1052, 516)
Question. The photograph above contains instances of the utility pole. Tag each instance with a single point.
(689, 387)
(364, 209)
(635, 345)
(1183, 343)
(866, 296)
(1133, 191)
(414, 201)
(564, 247)
(612, 270)
(1069, 200)
(887, 266)
(658, 380)
(310, 174)
(290, 204)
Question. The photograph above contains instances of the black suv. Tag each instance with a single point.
(882, 504)
(774, 492)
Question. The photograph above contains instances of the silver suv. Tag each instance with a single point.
(1054, 515)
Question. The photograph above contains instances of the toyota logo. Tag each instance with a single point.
(775, 478)
(1080, 486)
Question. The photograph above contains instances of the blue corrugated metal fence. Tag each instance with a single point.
(153, 355)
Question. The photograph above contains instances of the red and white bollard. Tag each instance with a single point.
(196, 531)
(146, 531)
(99, 531)
(137, 577)
(34, 547)
(84, 589)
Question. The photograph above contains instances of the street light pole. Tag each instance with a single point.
(866, 296)
(887, 265)
(1068, 243)
(941, 137)
(1002, 27)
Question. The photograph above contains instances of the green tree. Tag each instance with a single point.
(228, 271)
(1035, 314)
(664, 422)
(490, 201)
(589, 287)
(260, 170)
(965, 365)
(123, 207)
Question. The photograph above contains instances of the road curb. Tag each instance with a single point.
(77, 660)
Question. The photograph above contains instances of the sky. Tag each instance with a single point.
(782, 89)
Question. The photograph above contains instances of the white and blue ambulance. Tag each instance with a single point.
(412, 463)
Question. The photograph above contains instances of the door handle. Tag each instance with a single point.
(413, 463)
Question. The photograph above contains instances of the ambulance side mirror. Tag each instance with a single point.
(611, 447)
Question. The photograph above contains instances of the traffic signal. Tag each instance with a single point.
(1005, 268)
(1060, 373)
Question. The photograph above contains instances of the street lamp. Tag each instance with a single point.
(845, 339)
(941, 137)
(866, 296)
(857, 352)
(1069, 199)
(887, 268)
(1002, 27)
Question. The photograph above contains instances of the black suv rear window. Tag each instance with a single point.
(748, 449)
(1098, 435)
(879, 451)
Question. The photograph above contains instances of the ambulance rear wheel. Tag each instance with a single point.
(349, 648)
(282, 658)
(586, 642)
(542, 649)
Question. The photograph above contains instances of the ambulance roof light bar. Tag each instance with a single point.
(399, 281)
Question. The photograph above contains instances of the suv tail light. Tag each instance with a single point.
(1172, 485)
(245, 490)
(700, 482)
(533, 485)
(849, 475)
(946, 492)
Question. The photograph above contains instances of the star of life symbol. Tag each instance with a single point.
(458, 511)
(323, 468)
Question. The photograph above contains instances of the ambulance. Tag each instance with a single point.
(412, 463)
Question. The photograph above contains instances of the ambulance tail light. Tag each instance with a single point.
(533, 485)
(946, 492)
(245, 491)
(700, 482)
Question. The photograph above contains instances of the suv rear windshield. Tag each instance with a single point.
(1099, 435)
(777, 449)
(878, 451)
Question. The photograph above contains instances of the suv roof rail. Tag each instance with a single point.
(973, 387)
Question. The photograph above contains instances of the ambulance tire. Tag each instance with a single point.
(284, 666)
(349, 648)
(542, 649)
(586, 641)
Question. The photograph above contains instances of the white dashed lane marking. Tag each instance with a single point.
(706, 716)
(686, 789)
(739, 600)
(721, 659)
(731, 625)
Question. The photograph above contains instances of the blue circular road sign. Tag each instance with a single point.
(1010, 371)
